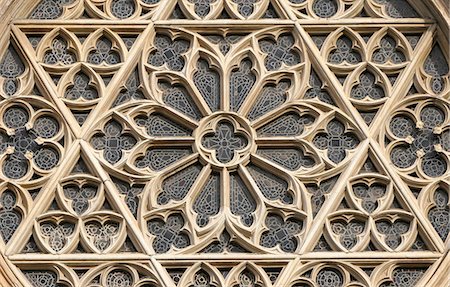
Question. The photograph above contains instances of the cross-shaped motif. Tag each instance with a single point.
(113, 141)
(168, 233)
(279, 52)
(225, 141)
(281, 233)
(336, 141)
(168, 52)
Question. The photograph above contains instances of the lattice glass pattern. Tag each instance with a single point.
(225, 143)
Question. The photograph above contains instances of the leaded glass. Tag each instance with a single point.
(433, 163)
(242, 202)
(281, 232)
(207, 203)
(176, 186)
(279, 52)
(59, 53)
(207, 82)
(225, 141)
(81, 88)
(169, 52)
(270, 98)
(439, 215)
(168, 233)
(213, 143)
(290, 124)
(10, 217)
(241, 82)
(104, 53)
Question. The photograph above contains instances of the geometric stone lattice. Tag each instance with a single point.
(224, 143)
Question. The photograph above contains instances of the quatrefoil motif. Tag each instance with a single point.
(424, 141)
(168, 233)
(279, 52)
(169, 52)
(281, 232)
(113, 141)
(24, 142)
(336, 141)
(225, 141)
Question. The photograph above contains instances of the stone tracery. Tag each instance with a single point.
(168, 139)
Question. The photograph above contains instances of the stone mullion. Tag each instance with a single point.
(404, 82)
(351, 111)
(335, 197)
(161, 272)
(408, 196)
(240, 24)
(440, 277)
(328, 76)
(159, 13)
(46, 194)
(10, 275)
(119, 78)
(286, 273)
(76, 257)
(28, 51)
(120, 205)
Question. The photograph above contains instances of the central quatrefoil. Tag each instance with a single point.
(225, 140)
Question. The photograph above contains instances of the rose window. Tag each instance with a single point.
(225, 143)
